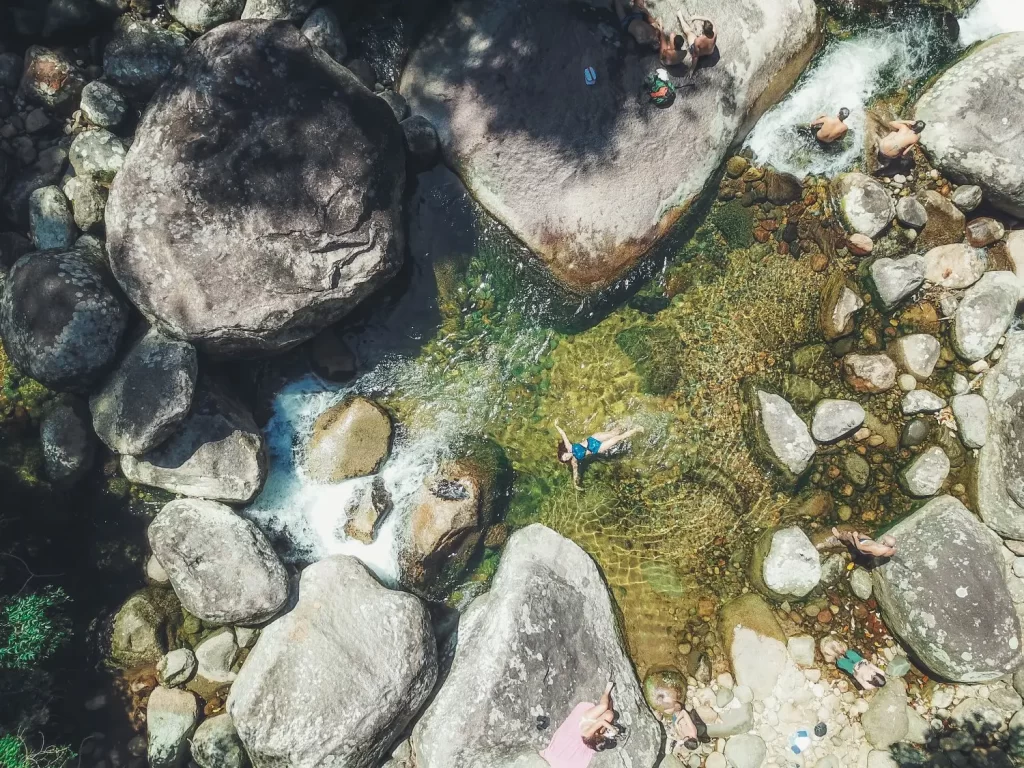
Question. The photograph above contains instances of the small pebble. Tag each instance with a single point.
(907, 382)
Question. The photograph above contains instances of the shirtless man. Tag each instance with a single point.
(859, 544)
(701, 39)
(638, 22)
(900, 143)
(828, 129)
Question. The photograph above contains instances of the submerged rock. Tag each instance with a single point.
(541, 641)
(336, 679)
(870, 373)
(754, 642)
(216, 452)
(351, 439)
(575, 185)
(209, 238)
(944, 595)
(984, 314)
(171, 718)
(62, 318)
(69, 446)
(867, 207)
(781, 435)
(839, 303)
(970, 117)
(927, 472)
(786, 563)
(835, 419)
(221, 566)
(945, 222)
(140, 630)
(141, 54)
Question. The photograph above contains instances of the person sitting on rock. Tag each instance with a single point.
(701, 40)
(863, 671)
(597, 444)
(829, 129)
(638, 23)
(586, 731)
(862, 546)
(900, 142)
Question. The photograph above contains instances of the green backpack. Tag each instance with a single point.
(660, 90)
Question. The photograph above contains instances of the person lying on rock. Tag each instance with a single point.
(600, 443)
(586, 731)
(637, 21)
(862, 546)
(701, 39)
(863, 671)
(829, 129)
(683, 730)
(900, 142)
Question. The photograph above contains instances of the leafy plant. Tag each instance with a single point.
(32, 627)
(15, 752)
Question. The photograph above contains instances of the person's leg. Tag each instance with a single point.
(615, 439)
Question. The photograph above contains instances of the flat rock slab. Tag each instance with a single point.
(589, 178)
(944, 595)
(541, 641)
(973, 115)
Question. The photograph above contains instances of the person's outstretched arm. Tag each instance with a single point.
(576, 473)
(565, 438)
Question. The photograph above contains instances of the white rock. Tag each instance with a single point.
(860, 583)
(835, 419)
(792, 565)
(176, 667)
(801, 650)
(907, 382)
(961, 385)
(925, 475)
(171, 718)
(896, 279)
(216, 655)
(984, 314)
(971, 414)
(787, 434)
(917, 354)
(745, 751)
(155, 572)
(921, 401)
(954, 266)
(1015, 251)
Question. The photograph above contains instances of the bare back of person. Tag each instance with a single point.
(905, 135)
(828, 129)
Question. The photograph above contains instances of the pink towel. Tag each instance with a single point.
(567, 748)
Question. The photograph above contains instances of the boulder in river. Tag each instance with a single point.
(140, 631)
(777, 432)
(62, 317)
(785, 563)
(754, 642)
(171, 718)
(926, 473)
(945, 224)
(141, 54)
(869, 373)
(835, 419)
(350, 439)
(972, 111)
(217, 451)
(336, 680)
(954, 266)
(203, 15)
(895, 279)
(984, 314)
(147, 396)
(216, 744)
(51, 219)
(866, 205)
(221, 566)
(261, 199)
(542, 640)
(944, 595)
(69, 445)
(580, 187)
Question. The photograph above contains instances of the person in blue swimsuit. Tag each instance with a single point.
(598, 443)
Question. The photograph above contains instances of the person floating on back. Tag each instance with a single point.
(829, 129)
(600, 443)
(900, 142)
(587, 730)
(862, 546)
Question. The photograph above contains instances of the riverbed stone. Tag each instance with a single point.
(970, 110)
(176, 667)
(926, 472)
(69, 446)
(215, 658)
(755, 643)
(910, 213)
(171, 718)
(503, 123)
(51, 78)
(790, 445)
(350, 439)
(839, 303)
(835, 419)
(984, 314)
(422, 143)
(322, 28)
(944, 595)
(103, 105)
(917, 354)
(215, 744)
(959, 265)
(216, 452)
(542, 640)
(201, 16)
(745, 750)
(971, 414)
(287, 701)
(147, 396)
(787, 562)
(860, 583)
(51, 219)
(984, 231)
(967, 197)
(945, 221)
(885, 722)
(62, 318)
(139, 635)
(97, 154)
(732, 721)
(260, 272)
(895, 279)
(866, 205)
(278, 10)
(221, 566)
(870, 373)
(141, 54)
(921, 401)
(88, 200)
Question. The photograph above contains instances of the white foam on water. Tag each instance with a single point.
(846, 74)
(990, 18)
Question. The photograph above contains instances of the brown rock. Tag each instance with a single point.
(352, 439)
(945, 222)
(860, 245)
(368, 512)
(819, 262)
(51, 79)
(920, 318)
(870, 373)
(984, 231)
(782, 188)
(736, 166)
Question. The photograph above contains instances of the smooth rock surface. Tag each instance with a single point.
(971, 111)
(203, 15)
(217, 451)
(221, 566)
(88, 200)
(103, 105)
(754, 642)
(171, 718)
(835, 419)
(867, 207)
(967, 197)
(984, 314)
(97, 154)
(578, 186)
(291, 709)
(215, 744)
(141, 54)
(926, 473)
(792, 565)
(971, 414)
(954, 266)
(786, 432)
(870, 373)
(886, 723)
(895, 279)
(139, 636)
(176, 667)
(68, 443)
(910, 213)
(351, 439)
(921, 401)
(917, 354)
(944, 595)
(542, 640)
(984, 231)
(147, 396)
(745, 751)
(278, 10)
(51, 219)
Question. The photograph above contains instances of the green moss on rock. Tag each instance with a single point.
(736, 224)
(654, 353)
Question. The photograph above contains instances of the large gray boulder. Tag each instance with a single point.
(221, 566)
(171, 718)
(147, 396)
(261, 199)
(866, 206)
(944, 595)
(973, 112)
(998, 481)
(140, 54)
(580, 186)
(217, 452)
(542, 640)
(983, 315)
(62, 317)
(337, 679)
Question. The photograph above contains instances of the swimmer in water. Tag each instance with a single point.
(829, 129)
(599, 443)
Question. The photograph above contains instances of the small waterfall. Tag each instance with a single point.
(990, 18)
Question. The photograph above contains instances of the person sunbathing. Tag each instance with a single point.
(863, 671)
(584, 732)
(600, 443)
(828, 129)
(700, 41)
(859, 544)
(637, 22)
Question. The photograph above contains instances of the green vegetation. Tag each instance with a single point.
(15, 752)
(32, 628)
(736, 224)
(654, 351)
